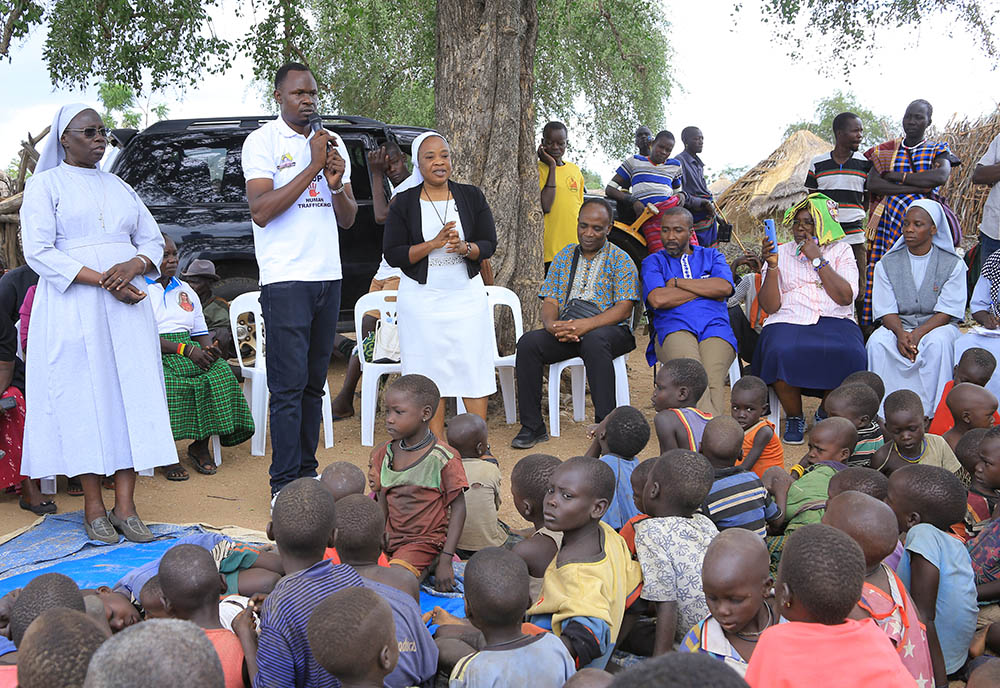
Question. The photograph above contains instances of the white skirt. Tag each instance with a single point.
(446, 331)
(927, 376)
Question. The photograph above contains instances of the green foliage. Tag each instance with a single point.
(613, 53)
(18, 18)
(853, 25)
(141, 43)
(731, 172)
(877, 127)
(123, 109)
(591, 180)
(281, 35)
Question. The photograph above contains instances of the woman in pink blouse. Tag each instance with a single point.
(811, 341)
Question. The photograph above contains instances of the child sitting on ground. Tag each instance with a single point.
(761, 447)
(859, 479)
(467, 435)
(56, 650)
(967, 453)
(592, 580)
(872, 524)
(671, 544)
(619, 438)
(859, 404)
(529, 486)
(360, 525)
(44, 592)
(971, 406)
(677, 387)
(362, 657)
(984, 552)
(819, 582)
(638, 480)
(420, 484)
(976, 366)
(191, 585)
(302, 524)
(936, 568)
(737, 498)
(984, 492)
(343, 479)
(496, 597)
(736, 567)
(904, 423)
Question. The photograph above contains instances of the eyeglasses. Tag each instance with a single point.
(92, 132)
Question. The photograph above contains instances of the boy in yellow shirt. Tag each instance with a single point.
(562, 184)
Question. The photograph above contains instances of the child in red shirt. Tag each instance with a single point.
(976, 366)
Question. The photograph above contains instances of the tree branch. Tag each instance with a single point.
(8, 28)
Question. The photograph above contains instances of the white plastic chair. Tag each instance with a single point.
(501, 296)
(256, 377)
(371, 373)
(578, 378)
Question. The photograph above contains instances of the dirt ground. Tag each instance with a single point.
(239, 493)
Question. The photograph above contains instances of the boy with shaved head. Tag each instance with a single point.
(57, 648)
(872, 524)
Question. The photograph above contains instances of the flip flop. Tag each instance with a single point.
(46, 507)
(176, 473)
(207, 468)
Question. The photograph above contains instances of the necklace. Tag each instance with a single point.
(104, 198)
(754, 637)
(428, 438)
(444, 220)
(923, 449)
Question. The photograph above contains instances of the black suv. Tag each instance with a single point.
(188, 173)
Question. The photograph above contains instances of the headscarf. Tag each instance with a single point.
(825, 215)
(53, 153)
(941, 238)
(991, 271)
(416, 178)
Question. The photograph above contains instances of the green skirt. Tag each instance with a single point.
(204, 402)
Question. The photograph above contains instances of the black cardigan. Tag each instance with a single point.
(403, 228)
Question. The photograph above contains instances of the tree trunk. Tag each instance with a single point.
(484, 95)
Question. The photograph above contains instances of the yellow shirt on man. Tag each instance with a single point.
(560, 221)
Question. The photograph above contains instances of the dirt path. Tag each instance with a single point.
(239, 494)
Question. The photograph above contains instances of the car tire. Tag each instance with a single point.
(229, 288)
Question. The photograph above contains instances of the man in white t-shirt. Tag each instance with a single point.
(299, 190)
(987, 172)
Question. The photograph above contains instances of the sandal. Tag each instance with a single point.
(206, 468)
(45, 507)
(176, 473)
(74, 488)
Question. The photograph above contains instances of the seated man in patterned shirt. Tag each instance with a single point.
(588, 297)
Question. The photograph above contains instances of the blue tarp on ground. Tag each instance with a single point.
(59, 544)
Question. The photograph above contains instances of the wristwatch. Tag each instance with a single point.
(817, 262)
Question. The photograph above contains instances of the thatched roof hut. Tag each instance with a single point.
(772, 185)
(969, 140)
(720, 185)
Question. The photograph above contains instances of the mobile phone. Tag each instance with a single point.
(771, 234)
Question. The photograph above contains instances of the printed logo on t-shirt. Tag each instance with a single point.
(184, 301)
(286, 161)
(313, 198)
(571, 183)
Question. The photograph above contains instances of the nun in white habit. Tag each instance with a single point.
(918, 292)
(97, 405)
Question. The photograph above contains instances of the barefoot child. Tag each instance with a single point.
(737, 498)
(904, 423)
(971, 406)
(620, 437)
(420, 484)
(736, 580)
(496, 597)
(363, 657)
(529, 486)
(467, 434)
(191, 585)
(936, 568)
(593, 579)
(761, 447)
(671, 544)
(872, 524)
(858, 403)
(360, 525)
(976, 366)
(819, 581)
(678, 386)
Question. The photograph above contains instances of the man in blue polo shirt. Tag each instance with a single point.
(299, 190)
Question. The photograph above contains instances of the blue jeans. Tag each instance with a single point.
(301, 322)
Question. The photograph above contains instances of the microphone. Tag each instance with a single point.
(316, 123)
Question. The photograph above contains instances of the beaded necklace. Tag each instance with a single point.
(923, 450)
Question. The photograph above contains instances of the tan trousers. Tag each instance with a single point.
(715, 354)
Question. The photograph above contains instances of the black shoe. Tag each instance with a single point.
(527, 438)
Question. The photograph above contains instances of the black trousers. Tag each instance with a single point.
(746, 336)
(597, 348)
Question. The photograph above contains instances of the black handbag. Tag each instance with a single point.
(577, 309)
